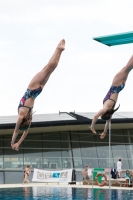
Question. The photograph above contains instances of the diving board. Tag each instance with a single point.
(116, 39)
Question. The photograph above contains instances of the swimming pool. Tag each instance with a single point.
(63, 193)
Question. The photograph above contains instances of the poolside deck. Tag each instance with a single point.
(78, 185)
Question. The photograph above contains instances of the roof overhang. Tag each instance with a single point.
(74, 122)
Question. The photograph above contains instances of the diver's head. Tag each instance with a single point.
(25, 124)
(108, 114)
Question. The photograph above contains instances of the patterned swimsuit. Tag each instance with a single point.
(112, 90)
(29, 94)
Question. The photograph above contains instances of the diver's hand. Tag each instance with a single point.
(93, 130)
(15, 146)
(102, 136)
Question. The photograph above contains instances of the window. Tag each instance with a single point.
(118, 146)
(13, 159)
(88, 150)
(64, 136)
(74, 137)
(65, 144)
(1, 143)
(67, 163)
(51, 136)
(52, 163)
(119, 154)
(51, 144)
(92, 163)
(1, 162)
(86, 137)
(78, 163)
(32, 144)
(76, 149)
(51, 153)
(66, 153)
(31, 157)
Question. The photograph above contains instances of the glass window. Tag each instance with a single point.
(101, 145)
(77, 163)
(1, 162)
(92, 163)
(131, 139)
(11, 162)
(51, 136)
(51, 144)
(1, 152)
(86, 137)
(117, 139)
(117, 132)
(66, 153)
(118, 146)
(88, 150)
(65, 144)
(32, 162)
(130, 154)
(32, 144)
(35, 136)
(67, 163)
(103, 152)
(74, 137)
(126, 136)
(130, 132)
(35, 162)
(110, 163)
(1, 143)
(12, 153)
(119, 154)
(31, 157)
(65, 136)
(52, 163)
(129, 147)
(130, 164)
(51, 153)
(32, 153)
(7, 136)
(1, 137)
(76, 149)
(103, 163)
(13, 159)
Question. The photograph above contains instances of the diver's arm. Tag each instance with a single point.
(95, 118)
(103, 134)
(16, 145)
(16, 130)
(23, 136)
(106, 126)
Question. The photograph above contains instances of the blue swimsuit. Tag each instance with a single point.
(29, 94)
(112, 90)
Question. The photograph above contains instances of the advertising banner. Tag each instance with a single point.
(52, 176)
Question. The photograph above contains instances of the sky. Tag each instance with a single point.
(29, 33)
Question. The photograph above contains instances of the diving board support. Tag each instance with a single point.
(109, 155)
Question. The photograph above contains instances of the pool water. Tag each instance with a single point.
(56, 193)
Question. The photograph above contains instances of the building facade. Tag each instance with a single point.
(65, 141)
